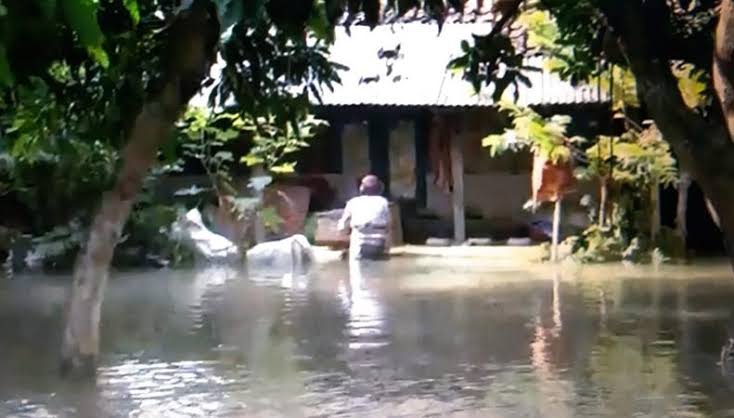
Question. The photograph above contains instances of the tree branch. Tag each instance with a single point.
(508, 10)
(693, 139)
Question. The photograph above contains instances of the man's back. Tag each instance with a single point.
(368, 217)
(368, 211)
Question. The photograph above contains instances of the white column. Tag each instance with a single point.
(457, 174)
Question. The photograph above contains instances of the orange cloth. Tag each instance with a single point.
(439, 153)
(551, 181)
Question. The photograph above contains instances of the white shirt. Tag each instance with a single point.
(369, 219)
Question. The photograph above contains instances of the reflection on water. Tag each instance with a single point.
(403, 338)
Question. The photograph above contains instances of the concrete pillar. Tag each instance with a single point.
(457, 175)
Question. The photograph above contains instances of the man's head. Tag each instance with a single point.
(370, 185)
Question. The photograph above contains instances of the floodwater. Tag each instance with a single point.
(407, 338)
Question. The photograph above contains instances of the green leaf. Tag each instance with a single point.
(284, 168)
(224, 155)
(6, 76)
(228, 135)
(133, 9)
(100, 56)
(252, 160)
(691, 85)
(82, 17)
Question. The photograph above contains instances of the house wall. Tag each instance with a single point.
(496, 188)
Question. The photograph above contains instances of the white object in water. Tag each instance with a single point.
(205, 242)
(289, 256)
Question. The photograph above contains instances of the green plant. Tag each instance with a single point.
(544, 137)
(149, 236)
(597, 244)
(275, 142)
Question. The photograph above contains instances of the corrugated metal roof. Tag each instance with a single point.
(417, 75)
(474, 11)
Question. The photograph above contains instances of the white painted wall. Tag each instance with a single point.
(496, 188)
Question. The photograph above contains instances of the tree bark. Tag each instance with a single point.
(555, 236)
(655, 212)
(681, 213)
(703, 147)
(189, 56)
(712, 212)
(723, 66)
(603, 197)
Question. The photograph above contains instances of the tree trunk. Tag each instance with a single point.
(555, 236)
(681, 225)
(712, 212)
(191, 34)
(603, 197)
(703, 147)
(723, 68)
(655, 212)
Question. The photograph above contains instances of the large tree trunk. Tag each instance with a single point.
(723, 65)
(603, 201)
(703, 147)
(190, 53)
(681, 210)
(654, 211)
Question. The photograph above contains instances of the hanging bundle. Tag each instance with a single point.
(551, 181)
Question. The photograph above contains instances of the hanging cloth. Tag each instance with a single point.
(551, 181)
(439, 150)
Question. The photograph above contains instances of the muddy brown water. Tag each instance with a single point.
(408, 338)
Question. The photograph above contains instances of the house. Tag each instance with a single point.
(402, 115)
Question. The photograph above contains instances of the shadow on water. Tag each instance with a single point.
(410, 337)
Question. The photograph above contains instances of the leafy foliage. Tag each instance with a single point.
(492, 61)
(693, 85)
(545, 137)
(273, 144)
(638, 158)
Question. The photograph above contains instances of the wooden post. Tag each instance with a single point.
(556, 229)
(457, 174)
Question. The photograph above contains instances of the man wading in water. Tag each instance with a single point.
(368, 217)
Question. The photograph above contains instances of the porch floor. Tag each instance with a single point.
(506, 253)
(530, 253)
